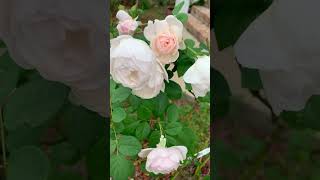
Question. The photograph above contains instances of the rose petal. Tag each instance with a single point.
(145, 152)
(123, 15)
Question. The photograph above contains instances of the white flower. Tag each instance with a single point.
(134, 65)
(163, 160)
(63, 43)
(126, 25)
(165, 38)
(283, 44)
(198, 75)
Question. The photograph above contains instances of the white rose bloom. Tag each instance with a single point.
(63, 43)
(198, 75)
(283, 43)
(134, 65)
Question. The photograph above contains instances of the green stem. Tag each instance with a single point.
(160, 126)
(194, 52)
(201, 166)
(3, 142)
(115, 134)
(175, 175)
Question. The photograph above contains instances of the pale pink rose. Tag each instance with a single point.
(165, 38)
(126, 25)
(163, 160)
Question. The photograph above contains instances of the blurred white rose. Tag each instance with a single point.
(284, 44)
(126, 25)
(134, 65)
(198, 75)
(162, 159)
(63, 43)
(165, 38)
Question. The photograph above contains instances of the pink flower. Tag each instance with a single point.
(165, 38)
(126, 25)
(163, 160)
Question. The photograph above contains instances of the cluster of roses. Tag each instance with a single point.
(139, 66)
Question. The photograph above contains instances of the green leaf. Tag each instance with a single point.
(28, 163)
(121, 7)
(188, 86)
(170, 74)
(113, 85)
(177, 8)
(220, 85)
(37, 102)
(203, 46)
(161, 102)
(221, 106)
(24, 136)
(82, 127)
(173, 90)
(120, 94)
(187, 138)
(227, 157)
(121, 168)
(173, 128)
(65, 175)
(154, 138)
(118, 114)
(63, 153)
(173, 113)
(221, 94)
(129, 145)
(232, 17)
(134, 101)
(131, 125)
(183, 17)
(144, 113)
(119, 127)
(250, 78)
(294, 119)
(113, 146)
(2, 44)
(171, 141)
(312, 114)
(9, 76)
(189, 43)
(143, 131)
(183, 67)
(96, 160)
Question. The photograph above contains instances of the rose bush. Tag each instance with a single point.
(145, 116)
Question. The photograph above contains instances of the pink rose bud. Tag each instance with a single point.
(126, 25)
